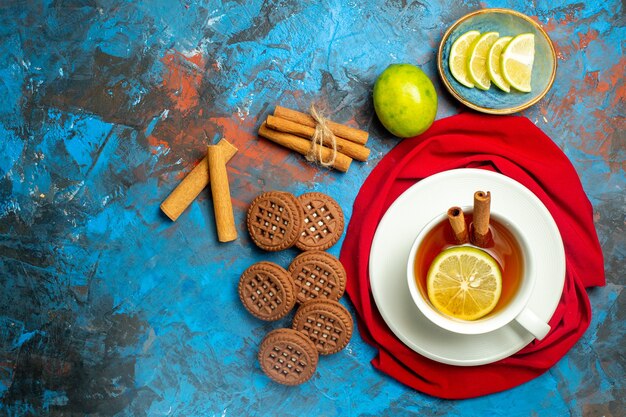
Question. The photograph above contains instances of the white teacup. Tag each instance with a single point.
(516, 308)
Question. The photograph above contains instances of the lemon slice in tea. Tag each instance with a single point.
(517, 61)
(477, 64)
(464, 282)
(493, 64)
(458, 57)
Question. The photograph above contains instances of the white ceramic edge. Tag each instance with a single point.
(549, 305)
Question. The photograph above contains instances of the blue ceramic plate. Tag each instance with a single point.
(507, 23)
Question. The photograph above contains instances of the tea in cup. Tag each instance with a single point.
(506, 250)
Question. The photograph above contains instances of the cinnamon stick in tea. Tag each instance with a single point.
(191, 186)
(457, 221)
(349, 133)
(480, 224)
(220, 190)
(351, 149)
(302, 146)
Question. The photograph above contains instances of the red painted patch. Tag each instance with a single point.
(188, 128)
(616, 76)
(591, 79)
(585, 38)
(156, 143)
(182, 79)
(597, 139)
(552, 23)
(268, 160)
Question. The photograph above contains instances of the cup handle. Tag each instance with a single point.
(528, 320)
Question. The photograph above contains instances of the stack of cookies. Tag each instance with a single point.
(315, 280)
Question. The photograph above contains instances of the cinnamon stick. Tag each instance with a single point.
(480, 224)
(349, 133)
(220, 190)
(191, 186)
(302, 146)
(351, 149)
(457, 221)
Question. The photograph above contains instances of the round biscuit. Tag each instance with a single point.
(266, 291)
(323, 222)
(288, 357)
(327, 323)
(274, 220)
(317, 275)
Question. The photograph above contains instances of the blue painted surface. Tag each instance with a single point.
(108, 308)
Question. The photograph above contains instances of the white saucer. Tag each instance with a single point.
(401, 224)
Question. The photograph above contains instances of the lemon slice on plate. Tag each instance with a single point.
(464, 282)
(517, 61)
(458, 57)
(477, 64)
(493, 63)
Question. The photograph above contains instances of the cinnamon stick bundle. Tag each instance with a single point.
(344, 146)
(346, 132)
(302, 146)
(480, 225)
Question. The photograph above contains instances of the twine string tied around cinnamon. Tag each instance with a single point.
(323, 135)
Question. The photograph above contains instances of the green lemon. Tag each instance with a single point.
(405, 100)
